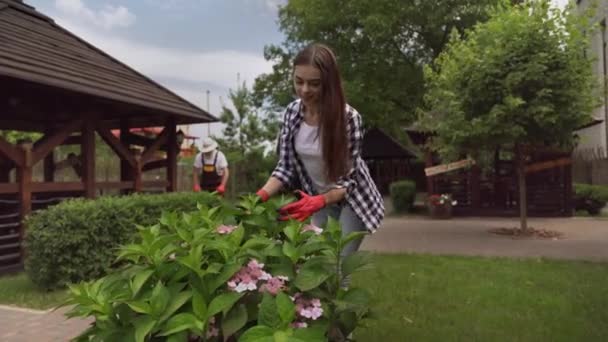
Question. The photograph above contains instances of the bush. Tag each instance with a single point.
(591, 198)
(403, 194)
(77, 239)
(226, 274)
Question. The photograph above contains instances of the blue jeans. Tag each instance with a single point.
(349, 221)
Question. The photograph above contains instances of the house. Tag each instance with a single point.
(593, 137)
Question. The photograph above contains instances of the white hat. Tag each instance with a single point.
(208, 145)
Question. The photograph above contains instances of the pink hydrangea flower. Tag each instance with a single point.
(246, 279)
(274, 285)
(224, 229)
(312, 228)
(308, 308)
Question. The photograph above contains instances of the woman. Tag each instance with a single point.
(320, 149)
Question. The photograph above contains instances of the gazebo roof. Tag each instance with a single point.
(39, 57)
(379, 145)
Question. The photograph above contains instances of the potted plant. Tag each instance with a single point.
(440, 206)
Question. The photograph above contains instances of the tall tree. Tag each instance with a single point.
(249, 134)
(381, 47)
(522, 80)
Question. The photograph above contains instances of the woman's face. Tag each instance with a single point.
(307, 82)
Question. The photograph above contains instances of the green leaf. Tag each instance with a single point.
(181, 322)
(355, 261)
(291, 231)
(139, 280)
(143, 327)
(291, 252)
(176, 303)
(236, 237)
(199, 305)
(258, 334)
(140, 306)
(268, 314)
(160, 299)
(234, 320)
(286, 308)
(310, 334)
(257, 242)
(312, 274)
(223, 303)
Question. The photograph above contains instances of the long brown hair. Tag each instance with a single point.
(332, 107)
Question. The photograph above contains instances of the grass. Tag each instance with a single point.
(441, 298)
(435, 298)
(18, 290)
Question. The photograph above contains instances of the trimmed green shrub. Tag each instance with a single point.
(403, 194)
(77, 239)
(591, 198)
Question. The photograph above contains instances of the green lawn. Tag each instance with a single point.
(20, 291)
(433, 298)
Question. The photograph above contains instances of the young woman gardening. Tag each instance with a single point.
(320, 149)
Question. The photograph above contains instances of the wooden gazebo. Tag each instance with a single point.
(387, 159)
(57, 84)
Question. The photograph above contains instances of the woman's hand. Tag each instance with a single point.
(303, 208)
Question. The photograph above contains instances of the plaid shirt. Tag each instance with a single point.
(361, 192)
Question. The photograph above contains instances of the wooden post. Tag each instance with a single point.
(88, 158)
(172, 150)
(126, 170)
(24, 177)
(428, 162)
(49, 167)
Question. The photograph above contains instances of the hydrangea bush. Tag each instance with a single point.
(227, 273)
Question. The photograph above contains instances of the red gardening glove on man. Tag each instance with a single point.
(196, 188)
(221, 189)
(303, 208)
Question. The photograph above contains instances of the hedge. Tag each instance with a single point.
(591, 198)
(77, 239)
(403, 194)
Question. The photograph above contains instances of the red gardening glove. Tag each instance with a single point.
(196, 188)
(221, 189)
(303, 208)
(263, 195)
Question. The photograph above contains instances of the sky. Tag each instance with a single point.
(188, 46)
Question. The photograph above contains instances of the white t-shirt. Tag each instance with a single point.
(220, 164)
(308, 148)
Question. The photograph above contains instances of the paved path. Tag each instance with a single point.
(25, 325)
(584, 239)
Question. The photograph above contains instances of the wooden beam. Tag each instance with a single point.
(155, 164)
(171, 160)
(45, 145)
(116, 145)
(9, 188)
(88, 158)
(57, 186)
(149, 152)
(11, 151)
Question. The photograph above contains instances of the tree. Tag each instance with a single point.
(521, 80)
(381, 47)
(247, 137)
